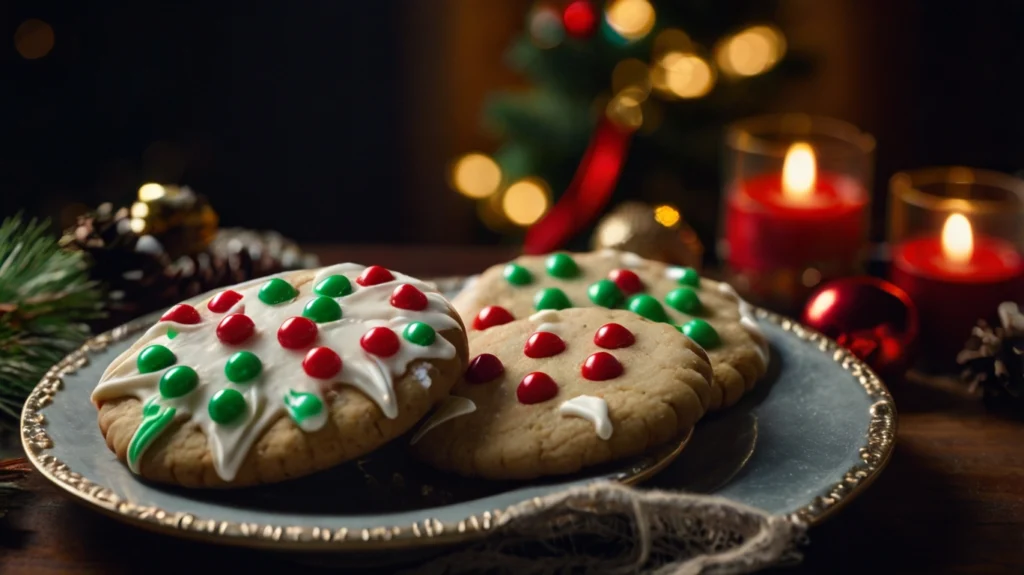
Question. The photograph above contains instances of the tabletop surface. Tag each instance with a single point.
(950, 501)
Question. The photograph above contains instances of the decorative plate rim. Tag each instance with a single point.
(874, 456)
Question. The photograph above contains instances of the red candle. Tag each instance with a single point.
(956, 279)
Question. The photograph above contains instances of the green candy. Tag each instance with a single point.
(562, 266)
(646, 306)
(243, 366)
(419, 333)
(701, 332)
(684, 299)
(551, 298)
(178, 381)
(154, 420)
(333, 286)
(322, 309)
(517, 275)
(171, 334)
(302, 406)
(154, 358)
(688, 277)
(277, 291)
(605, 293)
(226, 406)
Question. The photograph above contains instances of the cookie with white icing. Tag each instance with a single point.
(565, 390)
(710, 312)
(280, 377)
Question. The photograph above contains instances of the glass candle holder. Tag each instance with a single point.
(957, 239)
(796, 206)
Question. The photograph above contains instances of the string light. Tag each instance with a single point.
(683, 75)
(750, 52)
(671, 40)
(525, 201)
(33, 39)
(666, 215)
(150, 192)
(476, 175)
(137, 225)
(630, 19)
(140, 210)
(631, 74)
(624, 109)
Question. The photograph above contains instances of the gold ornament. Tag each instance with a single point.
(184, 221)
(652, 232)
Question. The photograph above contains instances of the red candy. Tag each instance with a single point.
(535, 388)
(408, 297)
(223, 301)
(380, 341)
(601, 366)
(613, 336)
(235, 328)
(296, 333)
(321, 363)
(491, 316)
(484, 367)
(629, 283)
(374, 275)
(543, 344)
(182, 313)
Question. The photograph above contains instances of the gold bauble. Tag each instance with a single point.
(635, 227)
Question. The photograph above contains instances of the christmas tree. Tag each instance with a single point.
(629, 98)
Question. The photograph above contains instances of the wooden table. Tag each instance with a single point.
(950, 501)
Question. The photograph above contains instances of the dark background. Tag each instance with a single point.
(332, 121)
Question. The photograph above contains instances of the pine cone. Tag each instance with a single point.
(993, 358)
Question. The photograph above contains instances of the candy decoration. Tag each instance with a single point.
(605, 293)
(580, 19)
(551, 298)
(321, 363)
(684, 299)
(182, 313)
(408, 297)
(491, 316)
(178, 381)
(543, 344)
(535, 388)
(419, 333)
(322, 309)
(154, 420)
(171, 334)
(613, 336)
(648, 307)
(374, 275)
(242, 367)
(235, 328)
(155, 358)
(296, 333)
(686, 276)
(226, 406)
(517, 275)
(627, 280)
(333, 286)
(601, 366)
(380, 341)
(701, 332)
(302, 406)
(224, 301)
(484, 367)
(277, 291)
(561, 266)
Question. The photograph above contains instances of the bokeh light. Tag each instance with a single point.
(631, 74)
(750, 52)
(666, 215)
(140, 210)
(138, 225)
(150, 192)
(476, 175)
(525, 201)
(630, 19)
(33, 39)
(545, 25)
(671, 40)
(683, 75)
(624, 109)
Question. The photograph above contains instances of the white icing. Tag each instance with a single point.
(197, 346)
(631, 260)
(453, 406)
(548, 327)
(674, 273)
(591, 408)
(748, 322)
(422, 375)
(548, 315)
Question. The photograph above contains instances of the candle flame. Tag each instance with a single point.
(799, 172)
(957, 239)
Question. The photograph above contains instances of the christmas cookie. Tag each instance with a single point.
(564, 390)
(709, 312)
(280, 377)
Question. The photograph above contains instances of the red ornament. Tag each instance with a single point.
(873, 318)
(296, 333)
(235, 328)
(629, 283)
(380, 341)
(579, 19)
(407, 296)
(613, 336)
(535, 388)
(491, 316)
(543, 344)
(224, 301)
(182, 313)
(601, 366)
(321, 363)
(484, 367)
(374, 275)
